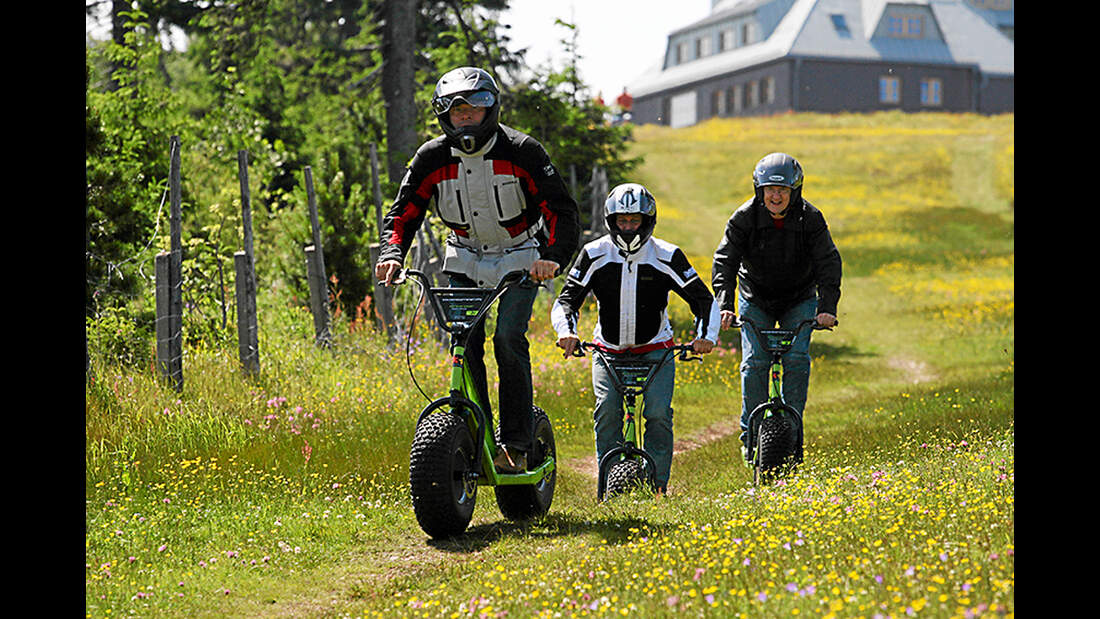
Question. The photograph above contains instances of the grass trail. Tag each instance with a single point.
(285, 496)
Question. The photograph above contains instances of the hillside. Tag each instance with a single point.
(286, 495)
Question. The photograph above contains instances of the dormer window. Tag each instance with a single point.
(702, 47)
(747, 34)
(725, 40)
(905, 26)
(681, 53)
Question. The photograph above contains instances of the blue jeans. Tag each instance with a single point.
(656, 411)
(755, 361)
(510, 346)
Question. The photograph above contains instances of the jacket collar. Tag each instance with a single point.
(763, 218)
(479, 152)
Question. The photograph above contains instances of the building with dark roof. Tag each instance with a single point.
(755, 57)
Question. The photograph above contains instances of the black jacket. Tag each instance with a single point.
(499, 198)
(777, 268)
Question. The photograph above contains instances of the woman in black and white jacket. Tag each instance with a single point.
(631, 274)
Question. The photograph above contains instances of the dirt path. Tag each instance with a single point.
(916, 370)
(720, 430)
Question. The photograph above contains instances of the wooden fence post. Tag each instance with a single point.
(315, 271)
(169, 284)
(599, 196)
(383, 296)
(247, 332)
(432, 266)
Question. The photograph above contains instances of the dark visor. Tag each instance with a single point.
(481, 98)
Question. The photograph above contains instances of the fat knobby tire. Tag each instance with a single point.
(624, 476)
(531, 501)
(777, 437)
(441, 455)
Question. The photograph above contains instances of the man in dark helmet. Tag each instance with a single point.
(778, 255)
(508, 209)
(631, 273)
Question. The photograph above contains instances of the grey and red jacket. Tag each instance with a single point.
(506, 206)
(777, 268)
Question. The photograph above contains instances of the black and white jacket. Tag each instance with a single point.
(631, 291)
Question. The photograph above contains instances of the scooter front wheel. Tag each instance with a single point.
(442, 479)
(626, 475)
(776, 439)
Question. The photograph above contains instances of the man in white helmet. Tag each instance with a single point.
(631, 273)
(508, 209)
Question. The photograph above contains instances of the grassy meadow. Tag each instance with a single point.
(285, 495)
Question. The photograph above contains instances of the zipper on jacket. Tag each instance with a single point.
(500, 209)
(461, 213)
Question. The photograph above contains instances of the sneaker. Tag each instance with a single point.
(510, 461)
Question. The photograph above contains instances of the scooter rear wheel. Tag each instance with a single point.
(530, 501)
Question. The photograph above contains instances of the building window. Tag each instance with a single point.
(931, 91)
(718, 103)
(768, 87)
(889, 89)
(735, 98)
(702, 47)
(754, 94)
(746, 34)
(681, 53)
(841, 25)
(907, 27)
(725, 40)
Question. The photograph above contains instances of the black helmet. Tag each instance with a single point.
(778, 169)
(630, 198)
(476, 87)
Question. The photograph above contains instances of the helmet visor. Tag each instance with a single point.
(776, 180)
(480, 98)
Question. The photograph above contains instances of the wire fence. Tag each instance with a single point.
(168, 274)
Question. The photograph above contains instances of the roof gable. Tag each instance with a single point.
(950, 32)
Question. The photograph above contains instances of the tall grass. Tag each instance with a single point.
(285, 494)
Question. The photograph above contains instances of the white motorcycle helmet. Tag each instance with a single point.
(630, 198)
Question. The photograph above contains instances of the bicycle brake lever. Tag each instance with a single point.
(578, 350)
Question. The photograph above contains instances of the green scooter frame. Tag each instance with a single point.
(459, 311)
(776, 342)
(630, 376)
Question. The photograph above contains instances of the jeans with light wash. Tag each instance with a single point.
(755, 360)
(656, 407)
(510, 346)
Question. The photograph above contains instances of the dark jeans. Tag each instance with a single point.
(656, 411)
(513, 358)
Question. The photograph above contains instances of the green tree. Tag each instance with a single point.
(295, 83)
(554, 106)
(129, 118)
